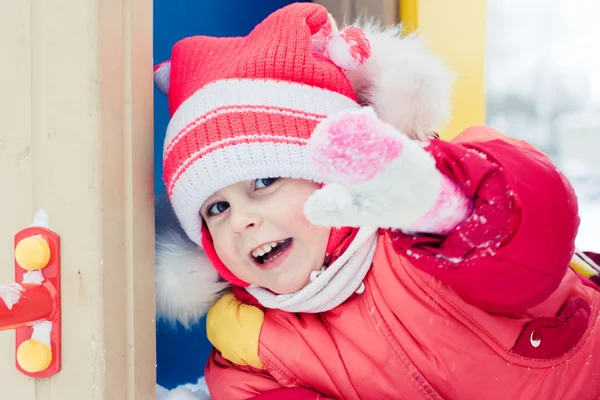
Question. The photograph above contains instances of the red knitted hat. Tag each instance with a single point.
(243, 108)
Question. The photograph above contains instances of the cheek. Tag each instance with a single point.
(294, 213)
(315, 236)
(230, 257)
(295, 196)
(223, 246)
(296, 209)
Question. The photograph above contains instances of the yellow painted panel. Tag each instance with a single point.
(456, 31)
(409, 14)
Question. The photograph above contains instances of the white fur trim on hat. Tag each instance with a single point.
(409, 87)
(187, 284)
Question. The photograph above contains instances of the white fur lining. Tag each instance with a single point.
(409, 87)
(188, 391)
(187, 284)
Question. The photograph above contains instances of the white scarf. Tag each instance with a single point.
(331, 286)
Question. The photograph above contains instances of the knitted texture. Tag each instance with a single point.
(244, 108)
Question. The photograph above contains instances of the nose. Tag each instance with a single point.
(242, 220)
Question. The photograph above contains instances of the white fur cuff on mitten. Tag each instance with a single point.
(451, 207)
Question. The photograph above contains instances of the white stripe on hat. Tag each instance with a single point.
(228, 142)
(255, 92)
(232, 164)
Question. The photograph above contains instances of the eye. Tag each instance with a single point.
(264, 182)
(217, 208)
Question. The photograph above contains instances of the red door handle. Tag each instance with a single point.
(31, 304)
(34, 305)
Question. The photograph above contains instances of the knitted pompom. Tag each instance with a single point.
(162, 75)
(349, 48)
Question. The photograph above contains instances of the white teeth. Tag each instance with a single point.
(264, 249)
(258, 252)
(261, 251)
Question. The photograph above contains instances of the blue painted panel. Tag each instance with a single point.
(181, 354)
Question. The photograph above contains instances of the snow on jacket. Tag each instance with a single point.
(490, 311)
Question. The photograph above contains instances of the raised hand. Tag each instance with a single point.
(379, 177)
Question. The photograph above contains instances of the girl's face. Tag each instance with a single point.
(261, 234)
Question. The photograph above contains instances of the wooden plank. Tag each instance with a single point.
(16, 163)
(78, 142)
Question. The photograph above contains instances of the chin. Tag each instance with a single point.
(285, 289)
(290, 285)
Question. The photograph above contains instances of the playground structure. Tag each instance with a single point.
(77, 142)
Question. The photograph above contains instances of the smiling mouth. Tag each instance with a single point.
(271, 251)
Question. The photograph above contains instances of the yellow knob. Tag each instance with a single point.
(32, 253)
(34, 356)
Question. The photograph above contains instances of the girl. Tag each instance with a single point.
(366, 259)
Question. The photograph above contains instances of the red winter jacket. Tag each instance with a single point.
(490, 311)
